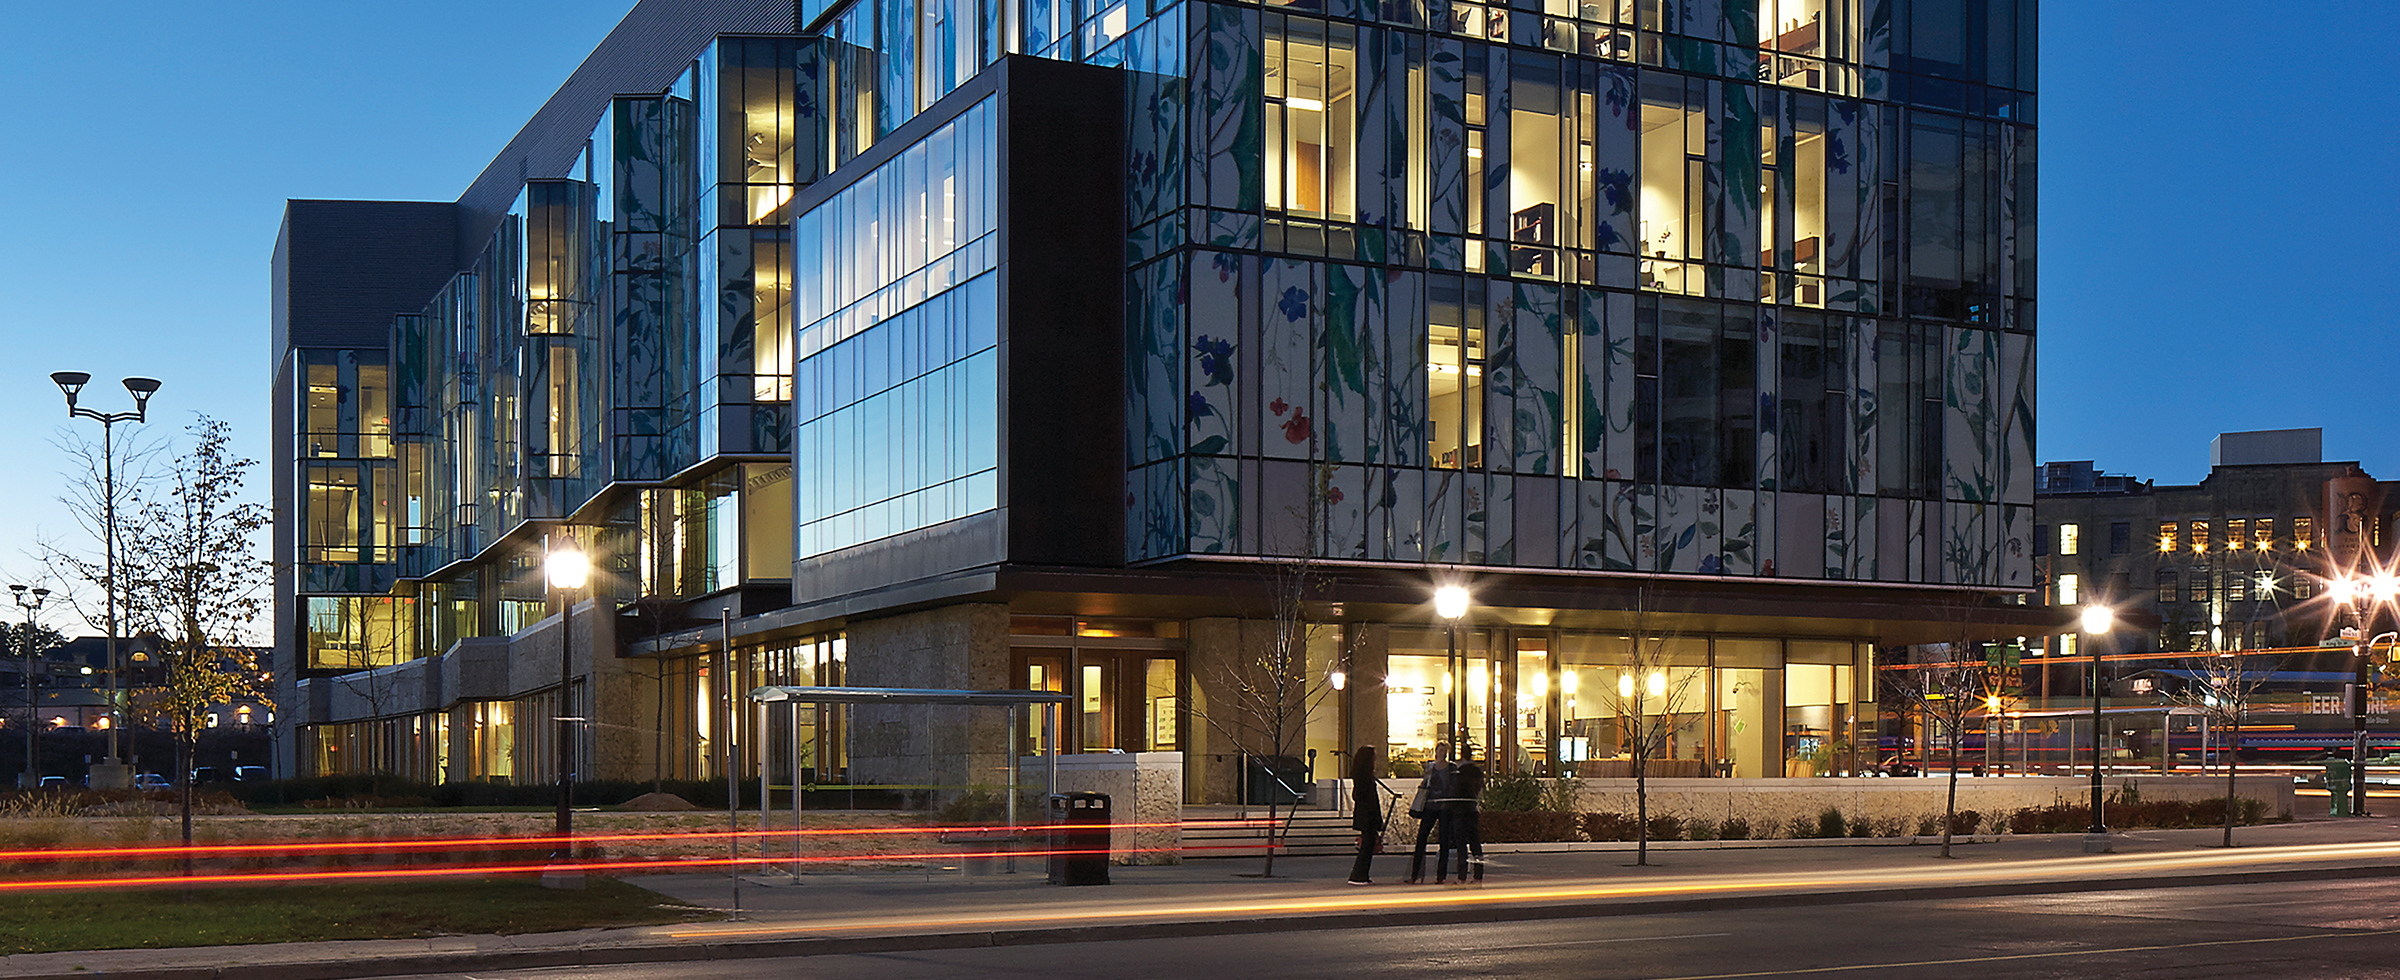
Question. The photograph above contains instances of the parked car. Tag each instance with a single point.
(1895, 766)
(249, 774)
(54, 782)
(204, 775)
(148, 781)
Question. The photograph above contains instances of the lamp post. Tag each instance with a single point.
(30, 600)
(566, 567)
(2097, 620)
(2346, 592)
(2385, 588)
(1450, 603)
(110, 774)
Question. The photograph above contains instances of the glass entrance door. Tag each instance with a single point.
(1118, 700)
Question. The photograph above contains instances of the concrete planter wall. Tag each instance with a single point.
(1771, 804)
(1145, 793)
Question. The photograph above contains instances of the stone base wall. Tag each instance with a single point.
(961, 647)
(1145, 793)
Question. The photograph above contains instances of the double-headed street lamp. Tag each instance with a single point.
(2348, 592)
(30, 600)
(111, 771)
(566, 568)
(1450, 603)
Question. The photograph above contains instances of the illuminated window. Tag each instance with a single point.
(1454, 392)
(1796, 36)
(2169, 587)
(2196, 586)
(2069, 535)
(324, 410)
(2303, 587)
(2237, 588)
(1673, 209)
(2303, 532)
(2264, 585)
(330, 522)
(1310, 79)
(2199, 536)
(2262, 534)
(2068, 593)
(212, 719)
(2236, 532)
(2167, 533)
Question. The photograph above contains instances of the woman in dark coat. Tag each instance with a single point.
(1366, 811)
(1463, 832)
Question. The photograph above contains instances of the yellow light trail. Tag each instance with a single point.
(2080, 868)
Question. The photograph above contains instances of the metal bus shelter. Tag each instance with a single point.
(1013, 701)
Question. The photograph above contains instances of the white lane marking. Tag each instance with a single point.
(1621, 939)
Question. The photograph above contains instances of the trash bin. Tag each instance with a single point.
(1079, 824)
(2337, 785)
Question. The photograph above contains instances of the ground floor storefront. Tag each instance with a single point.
(1248, 701)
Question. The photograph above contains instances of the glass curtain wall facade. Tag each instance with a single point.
(1730, 289)
(1719, 289)
(626, 330)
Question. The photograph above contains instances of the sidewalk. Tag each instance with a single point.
(849, 913)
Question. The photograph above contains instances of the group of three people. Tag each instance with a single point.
(1446, 806)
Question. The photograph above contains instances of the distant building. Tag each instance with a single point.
(2237, 561)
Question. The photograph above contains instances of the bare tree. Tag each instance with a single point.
(1653, 703)
(1947, 693)
(81, 570)
(656, 613)
(1263, 696)
(2224, 687)
(197, 581)
(370, 678)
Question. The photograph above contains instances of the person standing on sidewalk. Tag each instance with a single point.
(1427, 808)
(1366, 812)
(1462, 822)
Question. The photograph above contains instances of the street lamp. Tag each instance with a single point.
(30, 600)
(2351, 592)
(110, 774)
(1450, 603)
(566, 567)
(2097, 621)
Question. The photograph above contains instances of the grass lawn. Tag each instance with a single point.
(45, 921)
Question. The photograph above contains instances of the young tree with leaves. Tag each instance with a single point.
(194, 577)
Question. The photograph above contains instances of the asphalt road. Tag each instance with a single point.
(2342, 929)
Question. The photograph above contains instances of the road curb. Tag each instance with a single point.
(613, 955)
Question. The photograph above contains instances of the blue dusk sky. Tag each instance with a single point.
(2216, 213)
